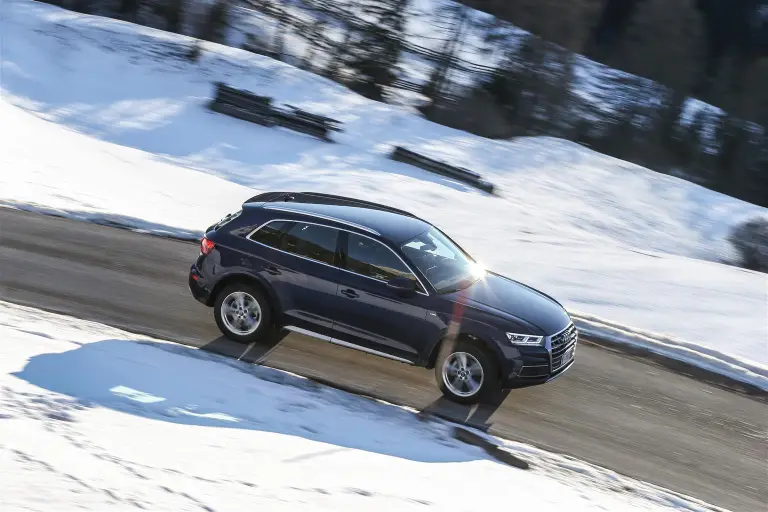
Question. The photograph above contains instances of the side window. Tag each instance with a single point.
(370, 258)
(311, 241)
(271, 233)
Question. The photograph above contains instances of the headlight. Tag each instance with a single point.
(524, 339)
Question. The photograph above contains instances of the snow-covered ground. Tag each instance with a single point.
(102, 120)
(96, 418)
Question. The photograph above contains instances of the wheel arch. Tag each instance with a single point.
(480, 340)
(251, 280)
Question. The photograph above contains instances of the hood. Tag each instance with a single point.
(496, 293)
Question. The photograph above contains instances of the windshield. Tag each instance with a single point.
(443, 263)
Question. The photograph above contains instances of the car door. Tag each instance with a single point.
(301, 269)
(371, 315)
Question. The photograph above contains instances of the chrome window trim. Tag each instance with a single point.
(248, 237)
(321, 216)
(425, 292)
(347, 344)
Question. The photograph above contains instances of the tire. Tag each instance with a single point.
(463, 390)
(242, 313)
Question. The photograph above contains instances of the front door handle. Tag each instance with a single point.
(273, 270)
(352, 294)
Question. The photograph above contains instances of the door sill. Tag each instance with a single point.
(347, 344)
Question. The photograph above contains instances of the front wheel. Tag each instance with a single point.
(242, 313)
(466, 373)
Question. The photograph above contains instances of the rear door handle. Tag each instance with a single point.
(273, 270)
(352, 294)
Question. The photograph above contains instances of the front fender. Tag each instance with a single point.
(485, 334)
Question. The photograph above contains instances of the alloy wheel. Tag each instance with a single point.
(463, 374)
(241, 313)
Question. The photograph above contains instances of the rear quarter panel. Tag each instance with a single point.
(235, 256)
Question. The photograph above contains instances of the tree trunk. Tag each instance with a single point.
(129, 8)
(437, 80)
(278, 43)
(173, 15)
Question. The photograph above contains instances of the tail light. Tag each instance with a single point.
(206, 246)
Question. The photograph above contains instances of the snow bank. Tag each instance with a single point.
(104, 121)
(93, 417)
(736, 368)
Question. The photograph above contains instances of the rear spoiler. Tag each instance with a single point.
(227, 218)
(267, 197)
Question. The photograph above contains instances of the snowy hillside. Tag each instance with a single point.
(104, 120)
(313, 27)
(99, 419)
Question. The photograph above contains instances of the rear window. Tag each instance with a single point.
(311, 241)
(271, 233)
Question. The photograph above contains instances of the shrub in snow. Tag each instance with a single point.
(751, 240)
(476, 112)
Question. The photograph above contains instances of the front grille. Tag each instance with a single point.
(561, 342)
(564, 337)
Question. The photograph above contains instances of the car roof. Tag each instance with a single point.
(391, 223)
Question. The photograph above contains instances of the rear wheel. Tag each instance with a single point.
(466, 373)
(242, 313)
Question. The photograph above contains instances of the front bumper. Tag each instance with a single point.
(517, 381)
(532, 366)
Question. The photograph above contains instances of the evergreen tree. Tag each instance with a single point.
(129, 9)
(375, 48)
(215, 23)
(174, 15)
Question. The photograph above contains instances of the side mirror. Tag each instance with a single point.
(402, 286)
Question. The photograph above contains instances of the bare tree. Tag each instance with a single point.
(459, 15)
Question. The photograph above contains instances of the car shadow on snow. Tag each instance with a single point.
(253, 353)
(178, 384)
(477, 416)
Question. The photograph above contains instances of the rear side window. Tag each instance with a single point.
(373, 259)
(271, 233)
(311, 241)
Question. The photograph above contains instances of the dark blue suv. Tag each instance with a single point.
(383, 281)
